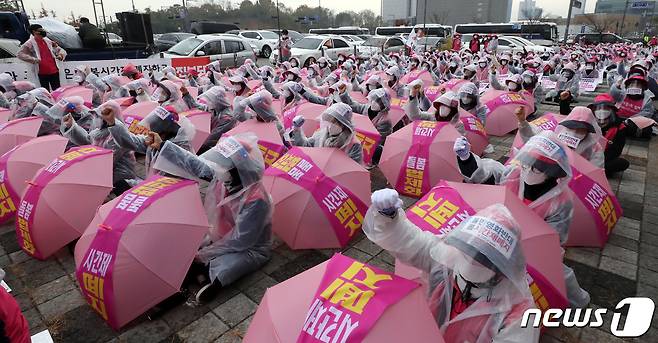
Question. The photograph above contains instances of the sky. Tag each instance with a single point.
(84, 7)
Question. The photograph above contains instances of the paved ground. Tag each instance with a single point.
(628, 266)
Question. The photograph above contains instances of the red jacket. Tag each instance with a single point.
(13, 325)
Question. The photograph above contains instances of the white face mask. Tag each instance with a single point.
(467, 269)
(466, 99)
(527, 79)
(482, 65)
(602, 114)
(311, 73)
(322, 65)
(589, 68)
(374, 105)
(512, 86)
(634, 91)
(78, 79)
(503, 62)
(293, 63)
(531, 176)
(444, 111)
(159, 95)
(334, 129)
(453, 65)
(290, 77)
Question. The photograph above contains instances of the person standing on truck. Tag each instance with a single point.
(42, 53)
(285, 44)
(91, 36)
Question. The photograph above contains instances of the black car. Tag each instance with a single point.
(167, 40)
(596, 38)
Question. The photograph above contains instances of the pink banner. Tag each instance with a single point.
(547, 122)
(472, 124)
(352, 296)
(27, 208)
(440, 211)
(369, 141)
(505, 99)
(291, 113)
(450, 85)
(602, 205)
(271, 152)
(344, 210)
(95, 274)
(433, 92)
(414, 177)
(8, 197)
(543, 292)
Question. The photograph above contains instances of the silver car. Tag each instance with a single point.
(262, 41)
(231, 50)
(381, 44)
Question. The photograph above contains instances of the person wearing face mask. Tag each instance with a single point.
(634, 100)
(503, 68)
(453, 71)
(74, 106)
(214, 72)
(379, 103)
(131, 72)
(313, 75)
(539, 174)
(393, 74)
(512, 83)
(477, 290)
(590, 70)
(531, 85)
(469, 100)
(43, 54)
(43, 96)
(239, 88)
(168, 93)
(474, 44)
(123, 167)
(469, 74)
(10, 89)
(325, 67)
(27, 105)
(372, 83)
(337, 94)
(566, 81)
(239, 209)
(446, 109)
(163, 124)
(214, 101)
(336, 131)
(482, 70)
(258, 106)
(414, 63)
(138, 90)
(614, 132)
(114, 89)
(291, 95)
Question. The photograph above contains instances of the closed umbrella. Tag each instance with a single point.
(475, 131)
(61, 199)
(138, 248)
(320, 197)
(20, 164)
(420, 154)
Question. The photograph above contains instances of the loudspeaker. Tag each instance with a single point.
(135, 27)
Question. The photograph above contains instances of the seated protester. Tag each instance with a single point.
(168, 93)
(131, 72)
(294, 62)
(414, 63)
(577, 131)
(80, 75)
(43, 96)
(469, 74)
(590, 71)
(454, 71)
(138, 89)
(379, 103)
(482, 70)
(214, 101)
(393, 74)
(290, 95)
(73, 105)
(504, 67)
(613, 130)
(337, 93)
(292, 74)
(164, 125)
(642, 67)
(425, 102)
(531, 85)
(429, 65)
(446, 109)
(469, 100)
(192, 78)
(512, 83)
(239, 88)
(27, 105)
(633, 100)
(10, 89)
(336, 131)
(239, 208)
(214, 72)
(373, 82)
(123, 166)
(14, 328)
(249, 69)
(325, 67)
(267, 75)
(477, 291)
(540, 175)
(313, 75)
(567, 80)
(375, 63)
(114, 89)
(259, 105)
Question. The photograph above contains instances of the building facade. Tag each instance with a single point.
(395, 12)
(451, 12)
(617, 7)
(526, 8)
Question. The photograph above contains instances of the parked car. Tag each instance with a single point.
(262, 41)
(353, 40)
(9, 50)
(208, 27)
(383, 44)
(312, 47)
(595, 38)
(430, 43)
(114, 39)
(294, 35)
(516, 44)
(167, 40)
(232, 51)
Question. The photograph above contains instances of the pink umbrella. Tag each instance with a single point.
(423, 75)
(449, 203)
(475, 132)
(201, 121)
(138, 248)
(548, 121)
(320, 197)
(358, 97)
(433, 92)
(18, 131)
(500, 110)
(420, 154)
(596, 209)
(452, 85)
(367, 134)
(269, 139)
(74, 90)
(311, 113)
(20, 164)
(47, 220)
(397, 112)
(281, 318)
(125, 102)
(5, 114)
(133, 114)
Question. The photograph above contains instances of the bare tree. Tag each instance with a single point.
(534, 15)
(598, 23)
(441, 17)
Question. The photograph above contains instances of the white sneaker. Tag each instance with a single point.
(489, 149)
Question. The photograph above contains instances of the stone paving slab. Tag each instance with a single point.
(628, 266)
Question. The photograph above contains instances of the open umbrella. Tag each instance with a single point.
(201, 121)
(475, 132)
(138, 248)
(5, 114)
(61, 199)
(432, 92)
(311, 113)
(548, 121)
(595, 207)
(125, 102)
(500, 110)
(18, 131)
(20, 164)
(367, 134)
(452, 85)
(395, 312)
(320, 197)
(269, 139)
(423, 75)
(134, 113)
(74, 90)
(397, 112)
(449, 203)
(420, 154)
